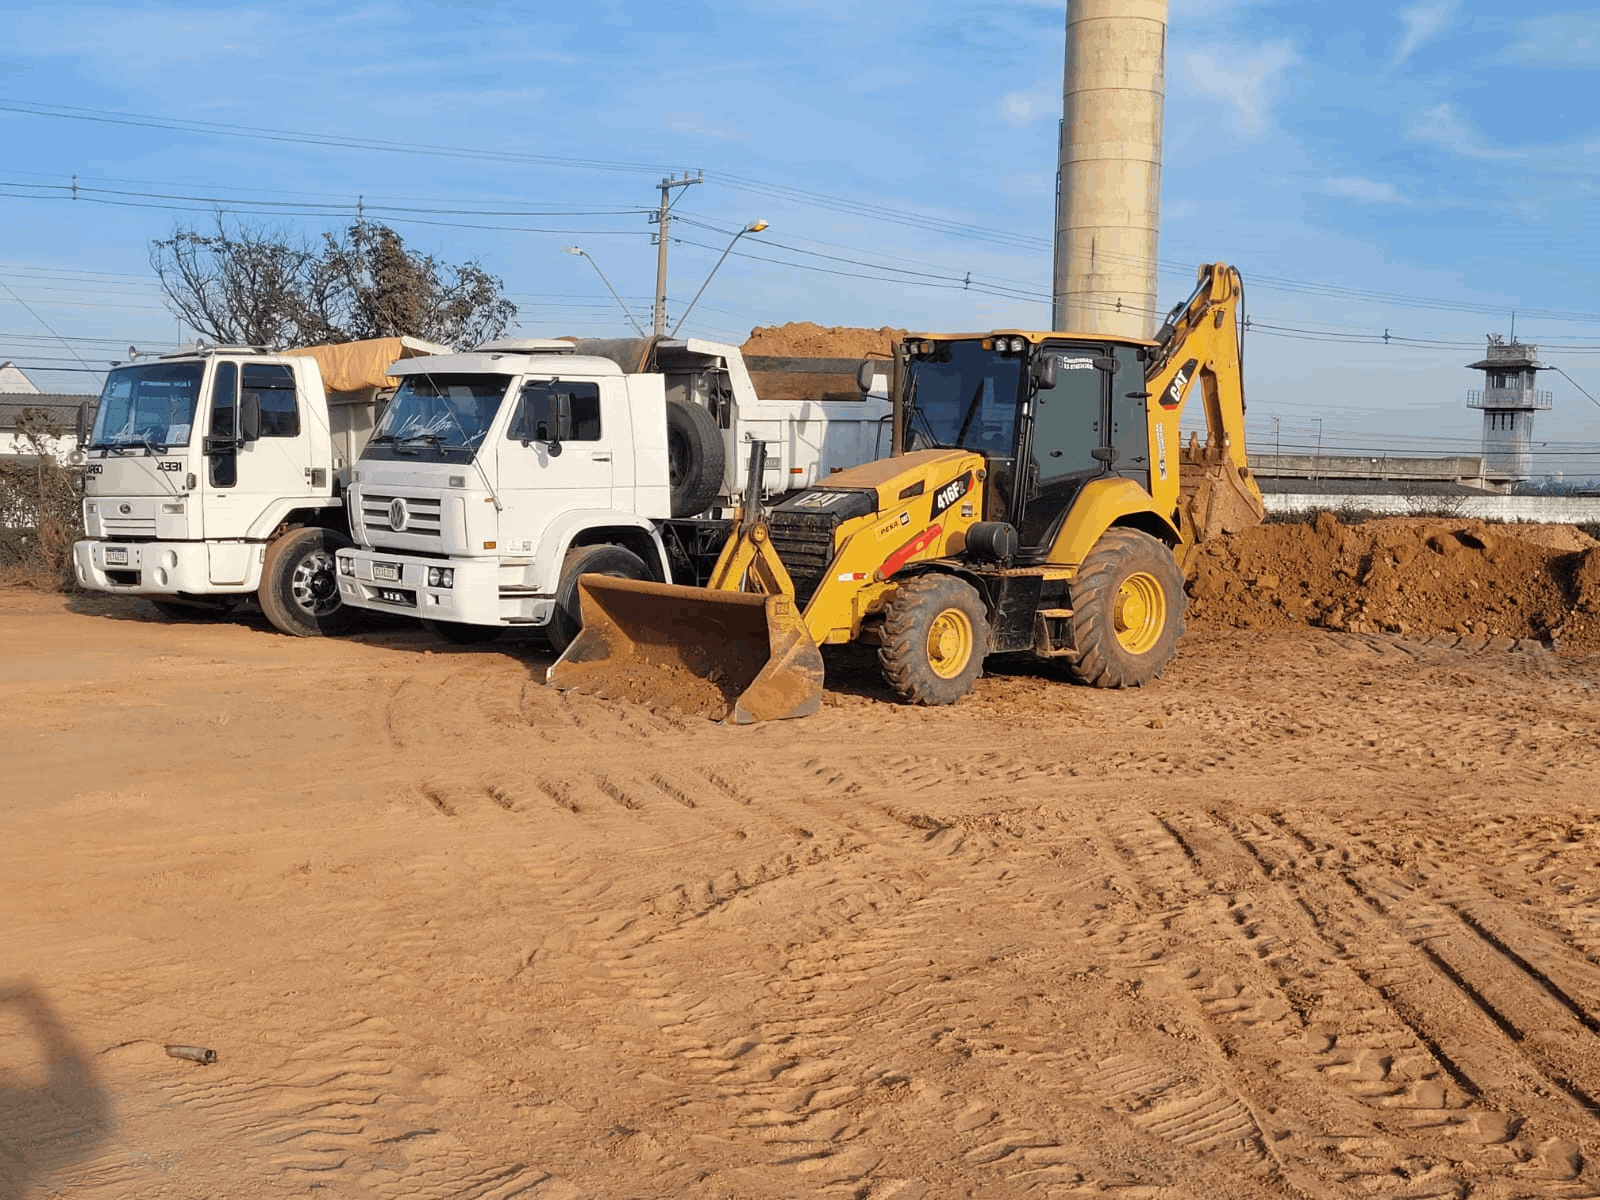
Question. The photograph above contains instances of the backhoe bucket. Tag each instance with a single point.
(739, 657)
(1218, 495)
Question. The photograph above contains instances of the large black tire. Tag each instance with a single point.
(300, 584)
(459, 633)
(177, 610)
(696, 457)
(935, 636)
(1127, 610)
(606, 559)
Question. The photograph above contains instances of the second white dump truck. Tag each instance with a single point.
(495, 478)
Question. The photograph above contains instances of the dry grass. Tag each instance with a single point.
(41, 514)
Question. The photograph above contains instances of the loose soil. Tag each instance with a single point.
(1407, 576)
(802, 339)
(1313, 915)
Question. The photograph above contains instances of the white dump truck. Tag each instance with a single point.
(214, 476)
(495, 478)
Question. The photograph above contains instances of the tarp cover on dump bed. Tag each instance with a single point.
(364, 366)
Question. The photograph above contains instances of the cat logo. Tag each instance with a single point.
(1173, 396)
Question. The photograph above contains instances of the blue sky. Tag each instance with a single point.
(1423, 171)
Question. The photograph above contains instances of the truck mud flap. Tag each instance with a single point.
(737, 657)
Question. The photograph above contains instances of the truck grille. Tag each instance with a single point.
(128, 527)
(423, 519)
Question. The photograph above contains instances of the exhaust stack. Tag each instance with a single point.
(1108, 200)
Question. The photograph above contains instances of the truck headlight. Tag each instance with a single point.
(441, 577)
(347, 566)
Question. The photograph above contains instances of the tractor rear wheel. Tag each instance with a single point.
(1127, 610)
(935, 635)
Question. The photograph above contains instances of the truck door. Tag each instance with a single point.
(541, 480)
(242, 480)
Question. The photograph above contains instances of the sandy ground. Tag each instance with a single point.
(1313, 916)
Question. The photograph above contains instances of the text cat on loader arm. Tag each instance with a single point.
(1037, 501)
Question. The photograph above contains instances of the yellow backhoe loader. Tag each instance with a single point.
(1037, 501)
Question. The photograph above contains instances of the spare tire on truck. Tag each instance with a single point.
(696, 459)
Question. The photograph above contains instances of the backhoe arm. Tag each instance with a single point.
(1210, 487)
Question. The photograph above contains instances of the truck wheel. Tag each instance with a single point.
(300, 584)
(176, 610)
(935, 634)
(615, 561)
(696, 458)
(1127, 610)
(461, 634)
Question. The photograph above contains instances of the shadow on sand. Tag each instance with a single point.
(53, 1113)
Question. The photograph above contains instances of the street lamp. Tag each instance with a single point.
(582, 253)
(753, 227)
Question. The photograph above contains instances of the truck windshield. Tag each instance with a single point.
(448, 415)
(150, 406)
(962, 395)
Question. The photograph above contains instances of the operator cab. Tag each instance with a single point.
(1067, 409)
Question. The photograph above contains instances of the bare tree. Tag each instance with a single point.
(241, 286)
(251, 286)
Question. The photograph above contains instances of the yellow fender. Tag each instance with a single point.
(1101, 504)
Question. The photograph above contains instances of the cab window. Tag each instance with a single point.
(582, 398)
(273, 385)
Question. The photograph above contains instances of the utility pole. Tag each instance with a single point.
(658, 323)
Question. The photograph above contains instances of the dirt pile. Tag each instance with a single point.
(803, 339)
(1407, 576)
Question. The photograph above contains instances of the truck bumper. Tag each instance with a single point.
(394, 583)
(168, 568)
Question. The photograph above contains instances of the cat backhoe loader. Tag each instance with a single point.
(1037, 501)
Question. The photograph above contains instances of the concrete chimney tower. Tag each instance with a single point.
(1108, 202)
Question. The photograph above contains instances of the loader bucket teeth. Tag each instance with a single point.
(738, 657)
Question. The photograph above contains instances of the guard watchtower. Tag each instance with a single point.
(1508, 399)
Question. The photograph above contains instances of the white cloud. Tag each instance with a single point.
(1557, 40)
(1243, 77)
(1364, 191)
(1024, 108)
(1443, 125)
(1423, 21)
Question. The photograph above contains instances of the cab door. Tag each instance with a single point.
(1070, 422)
(541, 477)
(243, 479)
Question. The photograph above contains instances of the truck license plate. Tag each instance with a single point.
(117, 555)
(386, 572)
(396, 596)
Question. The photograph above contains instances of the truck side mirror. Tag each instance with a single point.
(1043, 371)
(552, 417)
(249, 417)
(865, 374)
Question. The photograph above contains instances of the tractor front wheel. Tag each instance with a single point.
(935, 636)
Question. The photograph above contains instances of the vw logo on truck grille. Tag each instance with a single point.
(399, 514)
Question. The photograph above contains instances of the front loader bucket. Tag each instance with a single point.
(739, 657)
